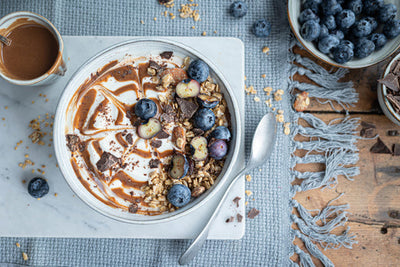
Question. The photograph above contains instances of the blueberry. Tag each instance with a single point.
(218, 149)
(392, 28)
(329, 22)
(342, 53)
(179, 195)
(262, 28)
(362, 28)
(324, 32)
(310, 30)
(345, 19)
(326, 44)
(374, 23)
(221, 132)
(306, 15)
(198, 70)
(38, 187)
(338, 33)
(330, 7)
(145, 109)
(364, 48)
(372, 6)
(204, 119)
(238, 9)
(386, 13)
(379, 40)
(348, 43)
(313, 5)
(356, 6)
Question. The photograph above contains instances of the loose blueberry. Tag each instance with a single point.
(145, 109)
(307, 15)
(362, 28)
(324, 32)
(187, 88)
(207, 101)
(374, 23)
(345, 19)
(179, 195)
(310, 30)
(330, 7)
(198, 148)
(372, 6)
(150, 129)
(342, 53)
(38, 187)
(262, 28)
(348, 43)
(198, 70)
(392, 28)
(238, 9)
(326, 44)
(356, 6)
(179, 166)
(218, 149)
(313, 5)
(379, 40)
(221, 132)
(204, 119)
(329, 22)
(338, 33)
(386, 13)
(364, 48)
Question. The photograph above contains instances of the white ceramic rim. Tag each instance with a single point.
(319, 55)
(28, 14)
(59, 138)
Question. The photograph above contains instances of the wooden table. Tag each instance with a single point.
(373, 195)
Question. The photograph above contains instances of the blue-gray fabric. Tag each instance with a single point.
(267, 241)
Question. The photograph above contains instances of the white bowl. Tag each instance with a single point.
(386, 106)
(294, 10)
(137, 48)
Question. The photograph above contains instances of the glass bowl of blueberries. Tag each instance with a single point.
(347, 33)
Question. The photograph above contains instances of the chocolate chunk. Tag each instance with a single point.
(230, 219)
(129, 138)
(395, 68)
(153, 163)
(191, 166)
(162, 135)
(188, 108)
(74, 143)
(367, 132)
(394, 101)
(253, 213)
(380, 148)
(133, 208)
(156, 143)
(391, 81)
(168, 115)
(107, 161)
(396, 149)
(239, 217)
(166, 54)
(367, 125)
(393, 133)
(236, 201)
(154, 65)
(395, 214)
(197, 131)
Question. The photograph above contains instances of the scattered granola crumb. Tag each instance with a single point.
(268, 102)
(248, 178)
(268, 90)
(55, 194)
(142, 22)
(26, 155)
(6, 107)
(253, 213)
(236, 201)
(278, 95)
(263, 75)
(50, 155)
(25, 256)
(250, 90)
(248, 192)
(257, 99)
(23, 181)
(286, 130)
(33, 102)
(47, 100)
(204, 33)
(246, 203)
(155, 19)
(265, 50)
(18, 245)
(245, 78)
(239, 217)
(280, 118)
(215, 31)
(3, 119)
(193, 27)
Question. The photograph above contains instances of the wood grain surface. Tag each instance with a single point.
(374, 195)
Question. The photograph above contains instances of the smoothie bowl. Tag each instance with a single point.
(146, 131)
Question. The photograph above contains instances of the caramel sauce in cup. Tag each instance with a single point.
(35, 56)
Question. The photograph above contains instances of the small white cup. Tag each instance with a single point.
(59, 67)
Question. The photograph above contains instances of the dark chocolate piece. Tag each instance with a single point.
(166, 54)
(367, 132)
(367, 125)
(129, 138)
(393, 133)
(162, 135)
(197, 131)
(153, 163)
(154, 65)
(236, 201)
(391, 81)
(396, 149)
(156, 143)
(394, 101)
(168, 115)
(74, 143)
(380, 148)
(253, 213)
(230, 219)
(107, 161)
(133, 208)
(239, 217)
(188, 108)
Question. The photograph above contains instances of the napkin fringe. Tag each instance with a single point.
(332, 144)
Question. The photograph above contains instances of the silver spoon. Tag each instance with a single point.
(5, 40)
(261, 149)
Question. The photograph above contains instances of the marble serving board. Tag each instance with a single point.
(61, 213)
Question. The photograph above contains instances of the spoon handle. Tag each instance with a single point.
(198, 242)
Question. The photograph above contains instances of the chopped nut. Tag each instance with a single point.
(204, 33)
(256, 99)
(198, 191)
(280, 118)
(25, 256)
(18, 245)
(248, 178)
(268, 90)
(265, 50)
(248, 192)
(286, 130)
(263, 75)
